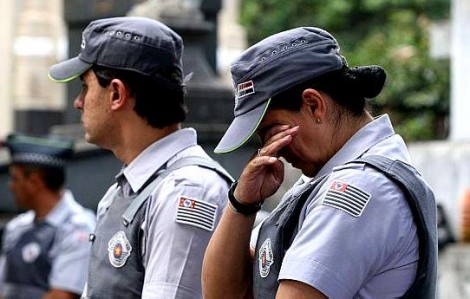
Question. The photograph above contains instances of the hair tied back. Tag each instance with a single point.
(369, 79)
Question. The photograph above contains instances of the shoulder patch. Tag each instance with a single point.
(347, 198)
(196, 213)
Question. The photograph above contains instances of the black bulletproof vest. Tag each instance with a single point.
(116, 269)
(280, 228)
(28, 265)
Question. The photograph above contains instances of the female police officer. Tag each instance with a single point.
(345, 229)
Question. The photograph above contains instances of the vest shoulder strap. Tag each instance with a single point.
(129, 214)
(421, 202)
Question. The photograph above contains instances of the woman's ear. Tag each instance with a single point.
(315, 101)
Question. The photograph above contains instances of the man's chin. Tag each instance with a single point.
(89, 138)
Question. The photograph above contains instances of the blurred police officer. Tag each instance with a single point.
(155, 222)
(46, 249)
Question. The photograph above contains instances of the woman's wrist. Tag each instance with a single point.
(241, 208)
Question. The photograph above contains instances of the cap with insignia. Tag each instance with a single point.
(270, 67)
(41, 151)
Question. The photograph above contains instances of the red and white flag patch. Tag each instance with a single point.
(347, 198)
(196, 213)
(244, 89)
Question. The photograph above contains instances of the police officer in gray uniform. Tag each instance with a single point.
(45, 250)
(154, 224)
(359, 223)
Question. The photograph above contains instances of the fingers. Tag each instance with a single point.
(265, 172)
(277, 138)
(260, 164)
(273, 130)
(260, 179)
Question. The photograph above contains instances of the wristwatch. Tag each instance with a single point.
(239, 207)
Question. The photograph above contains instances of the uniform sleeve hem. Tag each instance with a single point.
(67, 288)
(313, 273)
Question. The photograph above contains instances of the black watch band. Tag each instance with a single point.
(239, 207)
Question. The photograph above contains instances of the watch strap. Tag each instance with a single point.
(239, 207)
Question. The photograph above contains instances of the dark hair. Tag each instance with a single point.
(348, 87)
(53, 177)
(159, 105)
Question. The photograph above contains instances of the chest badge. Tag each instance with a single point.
(30, 252)
(119, 249)
(265, 258)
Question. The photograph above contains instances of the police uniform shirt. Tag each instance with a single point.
(70, 249)
(173, 247)
(359, 241)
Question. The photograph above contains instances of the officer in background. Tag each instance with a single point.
(45, 249)
(154, 224)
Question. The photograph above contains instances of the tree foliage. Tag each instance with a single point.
(390, 33)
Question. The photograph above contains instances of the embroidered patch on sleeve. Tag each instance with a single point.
(347, 198)
(196, 213)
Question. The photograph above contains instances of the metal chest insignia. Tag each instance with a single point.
(119, 249)
(265, 258)
(30, 252)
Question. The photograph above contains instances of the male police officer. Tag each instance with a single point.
(45, 250)
(155, 223)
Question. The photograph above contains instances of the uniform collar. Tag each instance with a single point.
(371, 134)
(156, 156)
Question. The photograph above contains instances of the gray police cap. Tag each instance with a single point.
(39, 150)
(271, 66)
(138, 44)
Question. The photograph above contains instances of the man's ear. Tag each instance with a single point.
(315, 101)
(35, 180)
(118, 93)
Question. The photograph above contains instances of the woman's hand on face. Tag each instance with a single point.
(264, 174)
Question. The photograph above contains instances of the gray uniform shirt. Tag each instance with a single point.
(351, 250)
(173, 246)
(69, 251)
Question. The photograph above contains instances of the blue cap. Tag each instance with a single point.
(271, 66)
(138, 44)
(41, 151)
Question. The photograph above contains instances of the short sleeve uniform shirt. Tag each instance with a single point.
(359, 243)
(173, 246)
